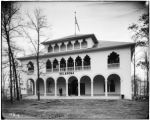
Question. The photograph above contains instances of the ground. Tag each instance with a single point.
(76, 109)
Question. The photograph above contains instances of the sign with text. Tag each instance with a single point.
(66, 73)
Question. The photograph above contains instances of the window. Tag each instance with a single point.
(78, 63)
(113, 60)
(48, 65)
(30, 66)
(69, 46)
(84, 43)
(63, 47)
(70, 64)
(76, 45)
(56, 48)
(62, 64)
(55, 65)
(50, 49)
(87, 62)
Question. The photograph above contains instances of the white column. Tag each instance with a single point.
(106, 94)
(78, 88)
(35, 88)
(55, 88)
(44, 88)
(91, 88)
(66, 88)
(74, 64)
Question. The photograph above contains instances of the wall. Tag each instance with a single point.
(98, 67)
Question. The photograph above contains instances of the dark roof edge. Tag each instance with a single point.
(78, 51)
(72, 38)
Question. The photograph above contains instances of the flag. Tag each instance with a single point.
(77, 23)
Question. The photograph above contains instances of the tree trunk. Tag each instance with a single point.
(38, 74)
(10, 77)
(15, 73)
(13, 63)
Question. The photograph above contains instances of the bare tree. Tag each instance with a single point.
(36, 24)
(11, 22)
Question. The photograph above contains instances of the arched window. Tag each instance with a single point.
(56, 48)
(48, 65)
(113, 60)
(63, 47)
(76, 45)
(69, 46)
(50, 49)
(78, 63)
(62, 64)
(87, 62)
(55, 65)
(84, 43)
(30, 66)
(70, 64)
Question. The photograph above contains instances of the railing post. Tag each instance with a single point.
(66, 88)
(91, 88)
(78, 88)
(56, 88)
(106, 94)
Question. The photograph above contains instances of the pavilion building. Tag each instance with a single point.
(80, 65)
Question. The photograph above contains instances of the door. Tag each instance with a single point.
(82, 88)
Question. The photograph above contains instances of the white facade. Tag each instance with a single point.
(98, 79)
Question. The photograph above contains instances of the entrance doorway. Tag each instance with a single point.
(73, 86)
(82, 88)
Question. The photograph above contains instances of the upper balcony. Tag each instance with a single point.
(75, 42)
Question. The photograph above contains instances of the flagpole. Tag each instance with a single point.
(75, 22)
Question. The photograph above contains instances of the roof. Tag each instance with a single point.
(70, 38)
(101, 46)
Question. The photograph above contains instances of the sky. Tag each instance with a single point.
(107, 20)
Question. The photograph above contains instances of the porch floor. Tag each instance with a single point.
(73, 97)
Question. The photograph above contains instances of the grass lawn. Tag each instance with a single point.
(76, 109)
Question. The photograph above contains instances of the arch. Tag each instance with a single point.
(30, 66)
(50, 86)
(84, 43)
(85, 85)
(55, 65)
(87, 62)
(69, 46)
(30, 87)
(61, 86)
(63, 46)
(76, 45)
(99, 85)
(56, 48)
(113, 83)
(50, 48)
(78, 63)
(72, 86)
(113, 58)
(62, 64)
(48, 65)
(40, 85)
(70, 64)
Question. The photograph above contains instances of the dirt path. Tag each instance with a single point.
(77, 109)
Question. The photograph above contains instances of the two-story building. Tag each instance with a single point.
(80, 65)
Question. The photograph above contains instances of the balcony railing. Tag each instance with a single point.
(30, 72)
(70, 68)
(55, 69)
(77, 68)
(48, 70)
(113, 65)
(63, 69)
(88, 67)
